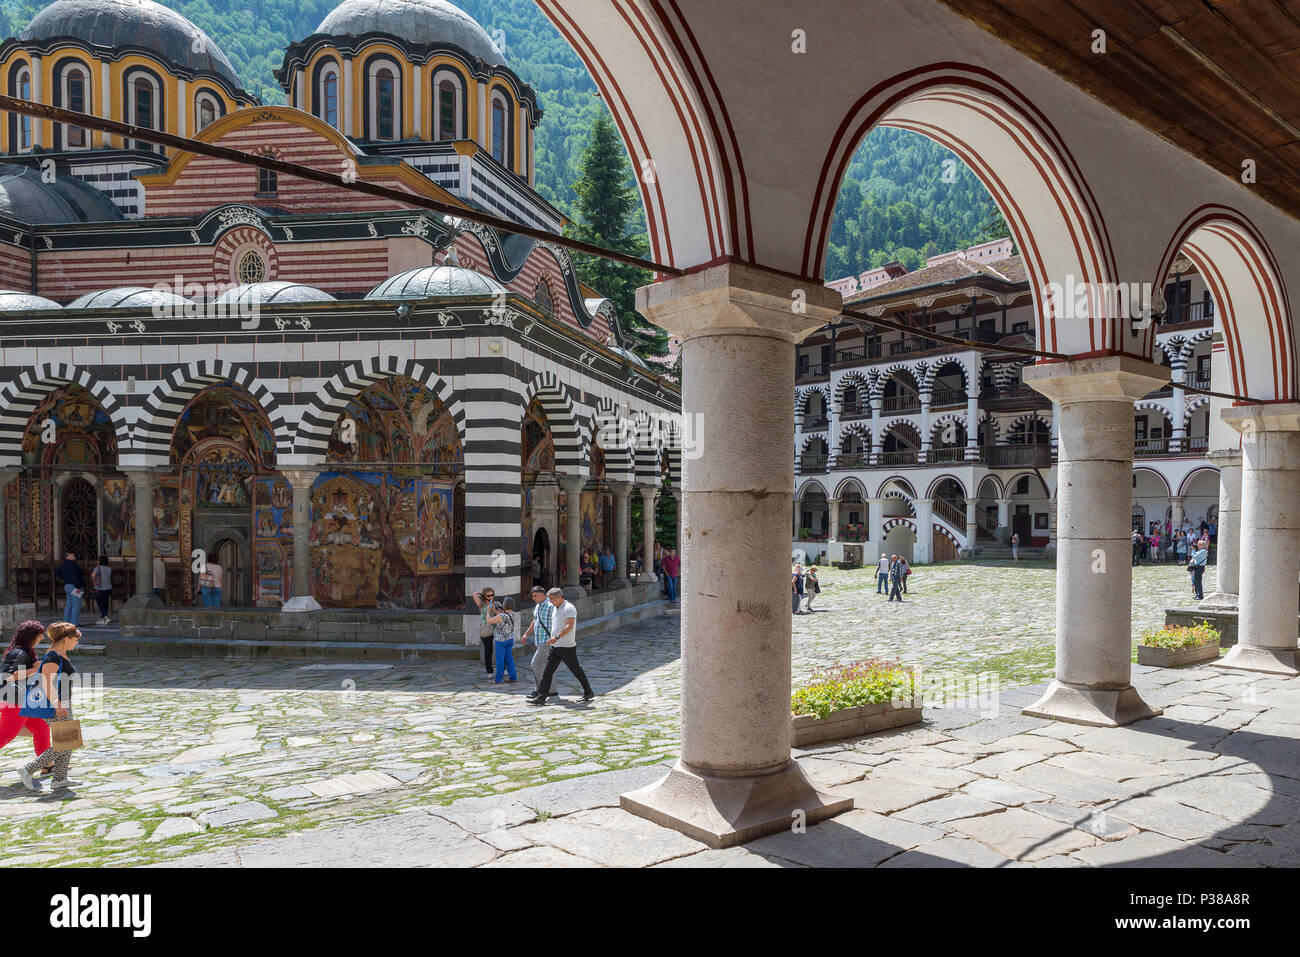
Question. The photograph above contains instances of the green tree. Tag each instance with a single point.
(606, 213)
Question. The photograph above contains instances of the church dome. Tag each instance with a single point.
(127, 24)
(263, 293)
(430, 282)
(417, 21)
(26, 197)
(127, 297)
(11, 300)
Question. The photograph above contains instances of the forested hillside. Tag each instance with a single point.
(896, 204)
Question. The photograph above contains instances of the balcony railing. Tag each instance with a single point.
(950, 512)
(1019, 456)
(1188, 312)
(853, 533)
(957, 454)
(854, 410)
(909, 344)
(850, 460)
(945, 398)
(814, 423)
(907, 402)
(1151, 446)
(1196, 444)
(901, 457)
(1016, 397)
(812, 463)
(811, 371)
(1197, 381)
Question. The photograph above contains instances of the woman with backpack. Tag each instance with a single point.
(101, 585)
(19, 665)
(812, 586)
(56, 672)
(486, 601)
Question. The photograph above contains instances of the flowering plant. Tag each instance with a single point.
(873, 681)
(1179, 637)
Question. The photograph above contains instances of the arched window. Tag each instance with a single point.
(24, 122)
(500, 129)
(385, 101)
(206, 108)
(75, 81)
(327, 97)
(251, 267)
(542, 296)
(143, 103)
(448, 110)
(268, 180)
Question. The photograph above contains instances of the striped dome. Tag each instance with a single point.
(434, 282)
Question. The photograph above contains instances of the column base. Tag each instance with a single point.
(303, 603)
(1075, 704)
(723, 812)
(574, 591)
(144, 601)
(1269, 661)
(647, 578)
(617, 583)
(1220, 599)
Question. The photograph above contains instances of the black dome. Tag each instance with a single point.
(417, 21)
(115, 24)
(25, 198)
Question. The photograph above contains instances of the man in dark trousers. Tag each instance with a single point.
(895, 578)
(74, 587)
(564, 649)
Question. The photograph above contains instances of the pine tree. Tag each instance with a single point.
(605, 213)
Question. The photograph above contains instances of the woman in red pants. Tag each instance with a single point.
(19, 664)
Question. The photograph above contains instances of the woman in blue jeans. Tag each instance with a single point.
(74, 585)
(503, 634)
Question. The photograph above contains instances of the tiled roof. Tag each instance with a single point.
(1010, 271)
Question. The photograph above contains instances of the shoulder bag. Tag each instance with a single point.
(35, 703)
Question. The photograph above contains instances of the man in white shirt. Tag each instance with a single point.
(564, 649)
(882, 575)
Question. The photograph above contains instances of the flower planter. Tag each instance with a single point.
(854, 722)
(1177, 658)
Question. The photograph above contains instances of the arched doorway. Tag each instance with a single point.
(542, 499)
(235, 558)
(79, 521)
(541, 558)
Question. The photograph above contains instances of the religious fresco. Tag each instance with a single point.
(223, 412)
(117, 509)
(80, 430)
(592, 521)
(398, 420)
(273, 541)
(538, 451)
(434, 520)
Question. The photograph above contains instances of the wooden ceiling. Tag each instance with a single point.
(1218, 78)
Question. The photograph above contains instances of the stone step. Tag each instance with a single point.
(137, 647)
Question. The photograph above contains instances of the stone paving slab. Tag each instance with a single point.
(1023, 835)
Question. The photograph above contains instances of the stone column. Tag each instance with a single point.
(875, 542)
(1094, 582)
(973, 428)
(972, 523)
(834, 531)
(1004, 522)
(926, 443)
(922, 554)
(1228, 540)
(876, 439)
(1270, 527)
(301, 480)
(621, 533)
(735, 779)
(681, 512)
(1176, 511)
(648, 494)
(572, 485)
(6, 596)
(145, 481)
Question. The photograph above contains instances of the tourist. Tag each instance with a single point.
(1214, 531)
(1155, 543)
(812, 587)
(543, 614)
(210, 582)
(537, 569)
(1179, 549)
(1015, 547)
(882, 575)
(503, 623)
(1196, 565)
(907, 571)
(486, 632)
(101, 586)
(74, 583)
(672, 563)
(895, 578)
(19, 664)
(797, 589)
(56, 673)
(607, 565)
(564, 649)
(159, 579)
(1137, 546)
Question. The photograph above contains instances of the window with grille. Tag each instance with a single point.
(268, 180)
(76, 135)
(251, 268)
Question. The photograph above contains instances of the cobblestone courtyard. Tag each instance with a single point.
(187, 756)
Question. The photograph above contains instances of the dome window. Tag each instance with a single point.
(329, 96)
(251, 268)
(207, 109)
(500, 129)
(384, 102)
(542, 296)
(76, 84)
(142, 105)
(448, 109)
(24, 86)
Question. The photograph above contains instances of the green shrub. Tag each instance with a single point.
(1179, 637)
(849, 686)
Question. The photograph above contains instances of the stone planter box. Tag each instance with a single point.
(1168, 658)
(854, 722)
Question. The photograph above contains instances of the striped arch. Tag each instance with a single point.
(802, 397)
(889, 524)
(858, 430)
(1026, 419)
(1153, 406)
(613, 433)
(1190, 345)
(1194, 405)
(994, 425)
(1157, 473)
(849, 380)
(810, 439)
(850, 483)
(1250, 299)
(904, 490)
(959, 418)
(1187, 479)
(673, 448)
(809, 486)
(938, 366)
(646, 436)
(1016, 152)
(20, 398)
(1172, 348)
(163, 407)
(311, 440)
(942, 528)
(567, 433)
(913, 371)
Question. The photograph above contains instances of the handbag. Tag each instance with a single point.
(485, 630)
(35, 703)
(66, 735)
